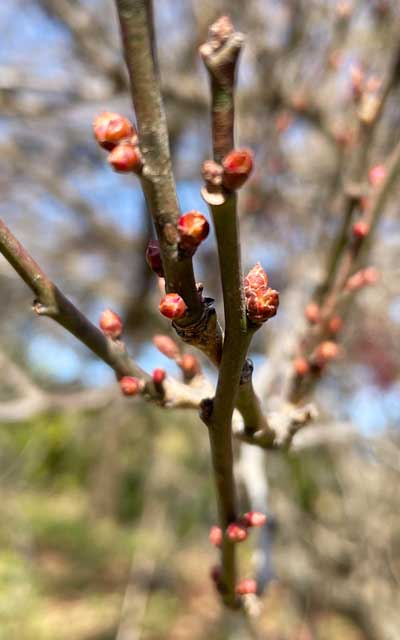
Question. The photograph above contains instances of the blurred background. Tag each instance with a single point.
(106, 502)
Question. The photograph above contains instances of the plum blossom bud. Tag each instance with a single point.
(159, 376)
(111, 324)
(377, 175)
(360, 229)
(153, 258)
(193, 228)
(312, 313)
(130, 386)
(326, 351)
(301, 366)
(189, 365)
(246, 586)
(237, 166)
(261, 301)
(254, 519)
(215, 536)
(126, 157)
(236, 532)
(166, 346)
(110, 128)
(172, 306)
(335, 325)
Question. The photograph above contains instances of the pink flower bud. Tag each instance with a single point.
(261, 301)
(215, 536)
(172, 306)
(326, 351)
(301, 366)
(153, 258)
(111, 324)
(189, 365)
(130, 386)
(237, 165)
(167, 346)
(335, 325)
(125, 158)
(377, 175)
(236, 532)
(193, 229)
(158, 376)
(312, 313)
(360, 229)
(110, 128)
(255, 279)
(254, 519)
(246, 586)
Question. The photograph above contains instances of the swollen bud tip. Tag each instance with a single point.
(130, 386)
(111, 324)
(125, 158)
(153, 258)
(261, 301)
(110, 128)
(237, 167)
(172, 306)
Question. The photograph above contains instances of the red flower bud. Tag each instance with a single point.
(159, 376)
(153, 257)
(377, 175)
(167, 346)
(236, 532)
(312, 313)
(261, 301)
(326, 351)
(189, 365)
(126, 157)
(130, 386)
(360, 229)
(215, 536)
(193, 229)
(110, 128)
(172, 306)
(111, 324)
(301, 366)
(254, 519)
(237, 165)
(335, 325)
(244, 587)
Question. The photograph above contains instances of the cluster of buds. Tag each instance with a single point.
(172, 306)
(362, 278)
(193, 228)
(130, 386)
(116, 134)
(111, 324)
(238, 531)
(261, 301)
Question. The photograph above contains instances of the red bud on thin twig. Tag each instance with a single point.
(111, 324)
(159, 376)
(215, 536)
(326, 351)
(312, 313)
(193, 228)
(153, 258)
(126, 158)
(130, 386)
(237, 166)
(236, 532)
(360, 229)
(246, 586)
(301, 366)
(377, 175)
(190, 365)
(110, 128)
(172, 306)
(166, 346)
(254, 519)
